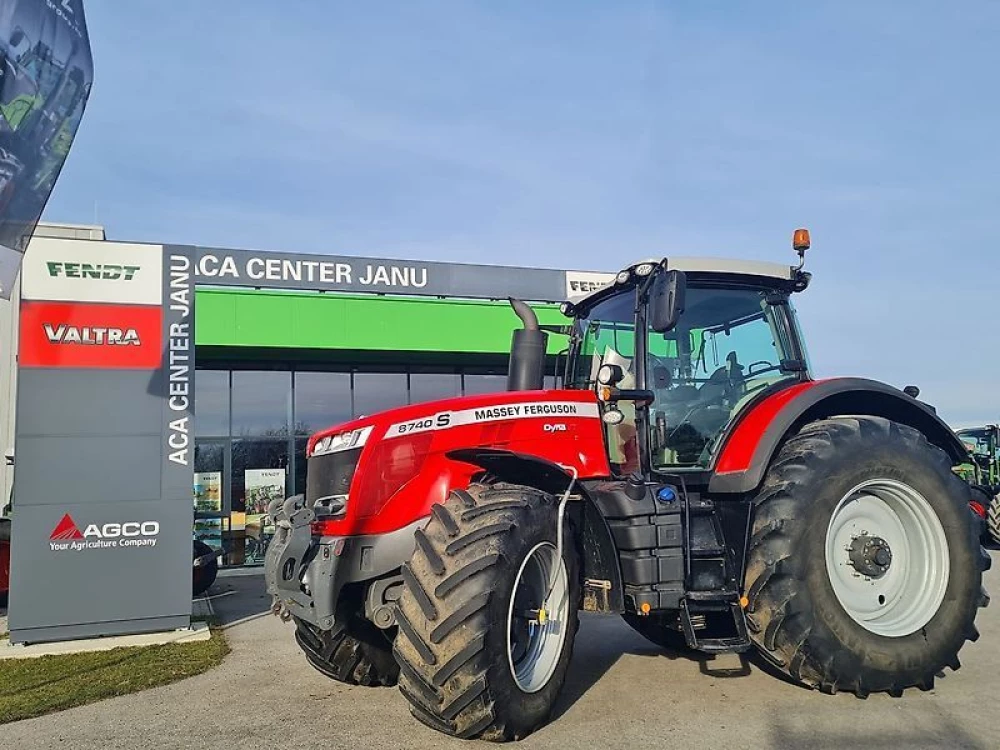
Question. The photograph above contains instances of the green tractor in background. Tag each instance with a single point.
(983, 473)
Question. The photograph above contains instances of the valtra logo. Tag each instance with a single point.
(67, 535)
(64, 334)
(106, 337)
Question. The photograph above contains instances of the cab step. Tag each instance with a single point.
(719, 603)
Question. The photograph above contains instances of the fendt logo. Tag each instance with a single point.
(91, 335)
(67, 535)
(106, 271)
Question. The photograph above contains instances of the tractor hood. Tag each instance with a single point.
(447, 413)
(387, 469)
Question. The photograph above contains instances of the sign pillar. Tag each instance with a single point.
(102, 522)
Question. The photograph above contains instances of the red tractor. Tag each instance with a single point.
(690, 475)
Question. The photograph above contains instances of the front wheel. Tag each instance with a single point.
(357, 653)
(488, 614)
(865, 568)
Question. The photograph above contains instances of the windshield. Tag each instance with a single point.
(731, 344)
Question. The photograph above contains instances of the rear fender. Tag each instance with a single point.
(752, 444)
(599, 559)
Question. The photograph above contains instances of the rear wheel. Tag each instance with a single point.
(865, 568)
(488, 614)
(359, 654)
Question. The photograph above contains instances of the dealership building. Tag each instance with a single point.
(284, 344)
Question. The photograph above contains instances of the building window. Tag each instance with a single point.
(211, 402)
(299, 480)
(322, 399)
(431, 386)
(378, 391)
(259, 477)
(477, 384)
(209, 492)
(261, 403)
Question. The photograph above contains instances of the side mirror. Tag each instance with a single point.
(666, 301)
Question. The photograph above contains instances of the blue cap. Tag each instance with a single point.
(666, 495)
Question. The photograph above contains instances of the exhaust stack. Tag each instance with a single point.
(527, 351)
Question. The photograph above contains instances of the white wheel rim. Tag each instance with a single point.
(899, 597)
(533, 649)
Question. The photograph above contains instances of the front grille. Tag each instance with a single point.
(330, 476)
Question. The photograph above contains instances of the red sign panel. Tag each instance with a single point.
(60, 334)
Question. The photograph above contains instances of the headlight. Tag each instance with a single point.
(623, 277)
(644, 269)
(342, 441)
(610, 375)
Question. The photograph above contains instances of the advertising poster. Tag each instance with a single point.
(262, 486)
(208, 492)
(209, 531)
(46, 71)
(207, 506)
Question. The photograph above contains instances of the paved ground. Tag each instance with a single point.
(621, 692)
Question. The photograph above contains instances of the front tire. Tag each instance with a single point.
(478, 658)
(865, 569)
(358, 654)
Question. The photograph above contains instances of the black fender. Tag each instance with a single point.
(598, 554)
(832, 398)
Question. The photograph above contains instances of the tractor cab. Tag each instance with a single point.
(675, 351)
(984, 447)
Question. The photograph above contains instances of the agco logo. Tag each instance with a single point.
(67, 535)
(105, 271)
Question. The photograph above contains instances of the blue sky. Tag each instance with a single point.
(580, 135)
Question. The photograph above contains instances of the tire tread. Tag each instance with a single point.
(780, 616)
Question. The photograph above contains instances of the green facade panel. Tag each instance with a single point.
(247, 318)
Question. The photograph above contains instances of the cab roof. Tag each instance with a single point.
(706, 267)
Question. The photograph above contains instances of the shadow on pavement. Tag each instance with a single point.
(237, 599)
(794, 733)
(604, 639)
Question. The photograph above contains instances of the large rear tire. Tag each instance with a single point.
(477, 657)
(865, 567)
(360, 654)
